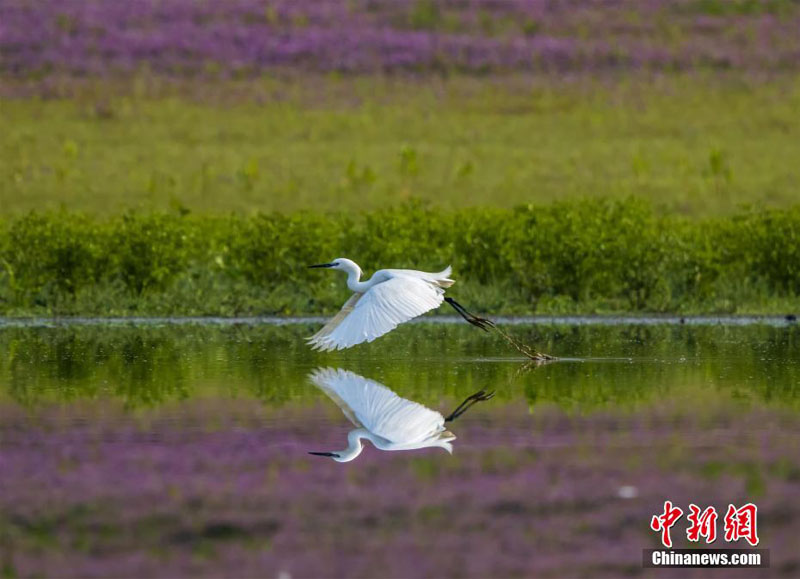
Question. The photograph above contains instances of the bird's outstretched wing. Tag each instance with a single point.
(371, 405)
(334, 322)
(378, 311)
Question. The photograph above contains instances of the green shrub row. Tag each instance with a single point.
(584, 255)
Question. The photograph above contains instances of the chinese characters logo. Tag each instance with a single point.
(739, 523)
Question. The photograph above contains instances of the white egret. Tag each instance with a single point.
(389, 298)
(388, 421)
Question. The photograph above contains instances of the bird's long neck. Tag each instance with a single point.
(353, 277)
(354, 446)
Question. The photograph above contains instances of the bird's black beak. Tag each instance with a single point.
(322, 265)
(332, 454)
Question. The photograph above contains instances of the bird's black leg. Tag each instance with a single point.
(467, 404)
(481, 323)
(486, 325)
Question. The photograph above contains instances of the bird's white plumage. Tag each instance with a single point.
(373, 406)
(396, 297)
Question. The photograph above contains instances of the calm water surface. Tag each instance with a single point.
(182, 450)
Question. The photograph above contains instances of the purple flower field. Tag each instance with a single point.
(224, 487)
(190, 37)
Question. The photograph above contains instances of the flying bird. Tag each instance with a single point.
(387, 299)
(388, 421)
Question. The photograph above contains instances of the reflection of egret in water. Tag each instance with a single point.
(384, 418)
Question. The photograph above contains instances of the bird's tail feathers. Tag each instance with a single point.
(443, 277)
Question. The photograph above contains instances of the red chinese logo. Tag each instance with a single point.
(704, 524)
(741, 524)
(665, 521)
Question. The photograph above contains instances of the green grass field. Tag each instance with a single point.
(691, 144)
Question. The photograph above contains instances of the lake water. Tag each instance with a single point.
(170, 450)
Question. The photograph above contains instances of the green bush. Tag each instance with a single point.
(51, 256)
(769, 245)
(478, 238)
(592, 255)
(613, 249)
(410, 235)
(270, 248)
(148, 251)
